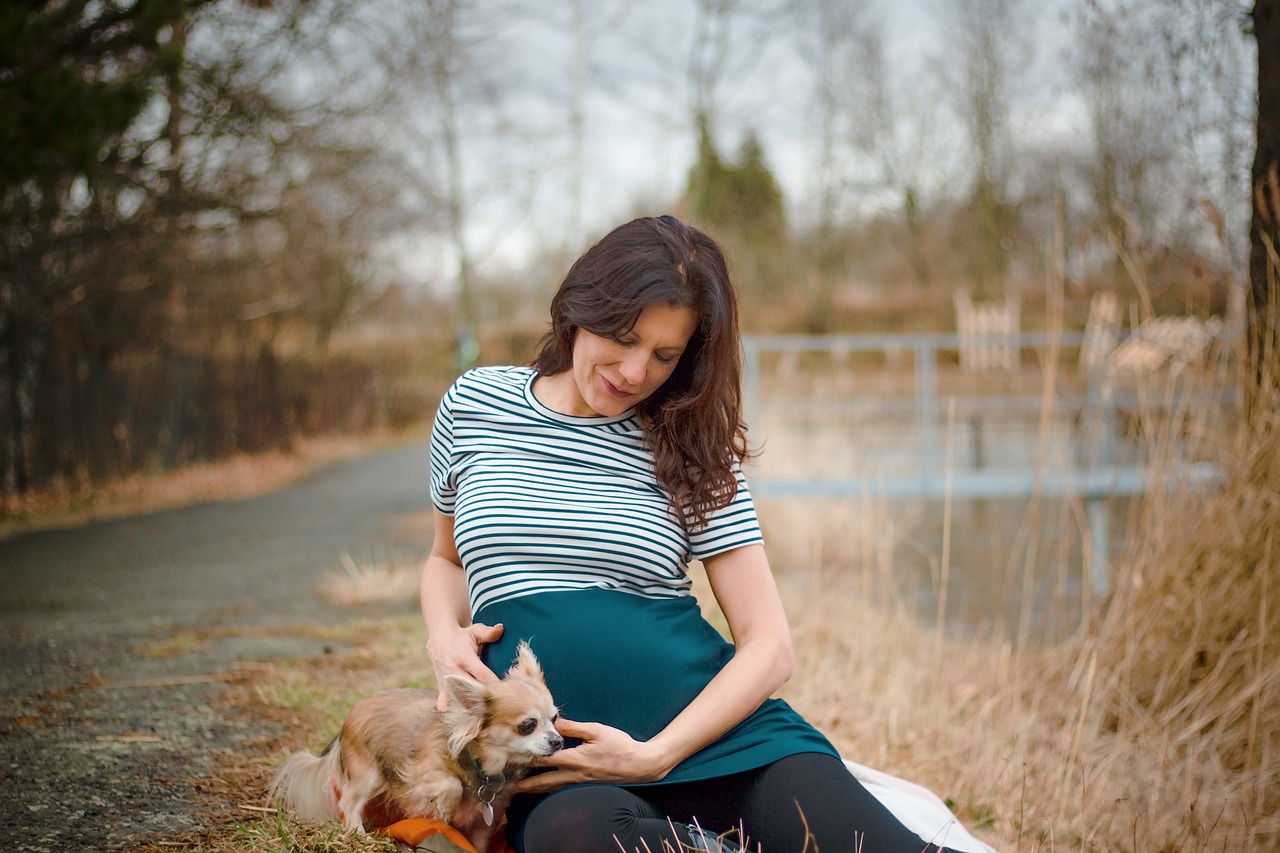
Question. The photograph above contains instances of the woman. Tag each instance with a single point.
(569, 497)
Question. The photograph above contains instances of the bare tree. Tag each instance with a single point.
(466, 147)
(873, 134)
(842, 45)
(185, 235)
(577, 126)
(1131, 109)
(987, 40)
(584, 30)
(1169, 99)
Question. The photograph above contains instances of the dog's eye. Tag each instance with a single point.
(527, 727)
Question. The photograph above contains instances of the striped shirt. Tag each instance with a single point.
(546, 502)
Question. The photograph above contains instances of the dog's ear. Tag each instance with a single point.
(465, 711)
(526, 664)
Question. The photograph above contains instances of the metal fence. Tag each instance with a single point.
(899, 417)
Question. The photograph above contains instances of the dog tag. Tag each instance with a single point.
(485, 794)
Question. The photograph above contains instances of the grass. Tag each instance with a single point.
(370, 581)
(1153, 728)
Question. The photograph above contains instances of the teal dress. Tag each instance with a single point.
(634, 664)
(568, 542)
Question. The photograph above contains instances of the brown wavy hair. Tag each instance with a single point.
(693, 422)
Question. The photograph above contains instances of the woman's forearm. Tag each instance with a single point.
(743, 586)
(442, 594)
(454, 642)
(754, 673)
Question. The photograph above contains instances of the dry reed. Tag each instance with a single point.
(370, 581)
(1155, 726)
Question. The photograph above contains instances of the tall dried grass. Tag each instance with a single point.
(1154, 726)
(1186, 653)
(369, 581)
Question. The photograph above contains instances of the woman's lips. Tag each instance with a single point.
(614, 389)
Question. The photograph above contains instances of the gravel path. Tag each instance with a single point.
(103, 746)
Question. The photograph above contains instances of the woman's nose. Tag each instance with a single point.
(633, 368)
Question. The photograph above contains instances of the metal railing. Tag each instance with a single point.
(1091, 461)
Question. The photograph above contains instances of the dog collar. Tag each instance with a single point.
(487, 787)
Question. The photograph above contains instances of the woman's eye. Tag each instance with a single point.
(664, 359)
(527, 727)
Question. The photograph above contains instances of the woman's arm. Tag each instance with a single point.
(453, 642)
(745, 590)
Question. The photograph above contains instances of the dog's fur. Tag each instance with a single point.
(397, 756)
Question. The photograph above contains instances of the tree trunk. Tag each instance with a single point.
(1264, 234)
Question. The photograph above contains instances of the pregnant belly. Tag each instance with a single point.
(612, 657)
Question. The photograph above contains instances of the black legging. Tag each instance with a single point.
(809, 796)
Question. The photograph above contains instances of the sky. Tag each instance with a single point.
(638, 142)
(638, 139)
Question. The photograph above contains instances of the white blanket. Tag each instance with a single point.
(919, 809)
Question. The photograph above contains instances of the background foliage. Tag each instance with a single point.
(226, 224)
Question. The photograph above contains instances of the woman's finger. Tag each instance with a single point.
(486, 633)
(579, 731)
(543, 783)
(481, 636)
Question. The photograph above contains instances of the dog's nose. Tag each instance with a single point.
(555, 742)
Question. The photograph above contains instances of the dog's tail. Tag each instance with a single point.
(306, 785)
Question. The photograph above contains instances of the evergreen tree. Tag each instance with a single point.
(709, 189)
(74, 78)
(758, 199)
(742, 206)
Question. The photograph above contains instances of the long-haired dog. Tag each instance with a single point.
(398, 757)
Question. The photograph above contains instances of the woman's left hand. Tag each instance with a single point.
(606, 754)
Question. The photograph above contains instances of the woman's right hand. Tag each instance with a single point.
(459, 654)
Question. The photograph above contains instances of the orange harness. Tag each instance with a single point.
(414, 830)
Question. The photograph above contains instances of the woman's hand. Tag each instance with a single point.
(458, 653)
(606, 754)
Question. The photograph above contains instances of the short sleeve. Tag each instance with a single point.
(444, 482)
(729, 527)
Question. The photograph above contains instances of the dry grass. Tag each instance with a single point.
(370, 581)
(1185, 658)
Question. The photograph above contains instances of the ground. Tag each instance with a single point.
(130, 650)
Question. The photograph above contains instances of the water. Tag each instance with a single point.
(991, 502)
(1017, 565)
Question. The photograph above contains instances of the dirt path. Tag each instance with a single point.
(104, 743)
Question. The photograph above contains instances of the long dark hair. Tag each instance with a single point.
(693, 422)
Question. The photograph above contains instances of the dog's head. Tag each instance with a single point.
(513, 719)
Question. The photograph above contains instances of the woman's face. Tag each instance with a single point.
(610, 375)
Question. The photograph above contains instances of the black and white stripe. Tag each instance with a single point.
(546, 502)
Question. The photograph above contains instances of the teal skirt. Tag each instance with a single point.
(634, 663)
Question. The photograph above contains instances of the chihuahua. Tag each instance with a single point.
(397, 757)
